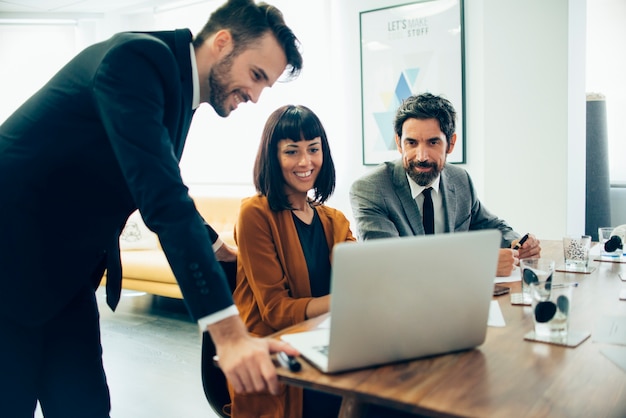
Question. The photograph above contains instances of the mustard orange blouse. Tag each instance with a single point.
(273, 285)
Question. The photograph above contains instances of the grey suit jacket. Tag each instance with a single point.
(383, 207)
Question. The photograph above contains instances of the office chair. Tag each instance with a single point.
(213, 380)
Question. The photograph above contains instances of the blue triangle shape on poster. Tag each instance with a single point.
(411, 74)
(403, 90)
(384, 120)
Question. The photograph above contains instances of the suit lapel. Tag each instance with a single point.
(178, 42)
(403, 191)
(449, 199)
(182, 39)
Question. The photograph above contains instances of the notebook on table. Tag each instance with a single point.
(402, 298)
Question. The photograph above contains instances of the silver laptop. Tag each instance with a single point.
(402, 298)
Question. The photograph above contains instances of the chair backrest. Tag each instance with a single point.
(213, 380)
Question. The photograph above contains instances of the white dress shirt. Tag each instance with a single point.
(232, 309)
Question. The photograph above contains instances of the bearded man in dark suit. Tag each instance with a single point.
(102, 138)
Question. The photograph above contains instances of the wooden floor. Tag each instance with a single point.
(152, 358)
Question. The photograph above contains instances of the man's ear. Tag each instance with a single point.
(399, 143)
(223, 42)
(451, 143)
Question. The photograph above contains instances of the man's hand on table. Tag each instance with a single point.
(245, 360)
(507, 260)
(530, 248)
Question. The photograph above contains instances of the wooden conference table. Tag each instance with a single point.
(506, 376)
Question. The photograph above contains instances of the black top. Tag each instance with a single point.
(316, 254)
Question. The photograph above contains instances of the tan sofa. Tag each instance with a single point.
(144, 266)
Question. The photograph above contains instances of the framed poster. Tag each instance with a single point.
(405, 50)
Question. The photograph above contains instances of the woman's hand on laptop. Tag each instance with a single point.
(507, 259)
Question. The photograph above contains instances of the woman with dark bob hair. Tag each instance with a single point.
(285, 235)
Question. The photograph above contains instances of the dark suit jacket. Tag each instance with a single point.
(104, 136)
(383, 206)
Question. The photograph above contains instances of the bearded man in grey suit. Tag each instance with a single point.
(388, 201)
(102, 138)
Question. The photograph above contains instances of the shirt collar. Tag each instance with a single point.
(416, 189)
(195, 102)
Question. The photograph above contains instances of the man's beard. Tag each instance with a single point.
(422, 178)
(218, 81)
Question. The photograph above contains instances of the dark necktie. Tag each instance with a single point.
(114, 273)
(428, 213)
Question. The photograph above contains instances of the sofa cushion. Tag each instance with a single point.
(149, 265)
(221, 213)
(137, 236)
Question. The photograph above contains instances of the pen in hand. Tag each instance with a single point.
(520, 242)
(562, 285)
(288, 362)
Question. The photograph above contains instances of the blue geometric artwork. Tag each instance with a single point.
(384, 120)
(406, 50)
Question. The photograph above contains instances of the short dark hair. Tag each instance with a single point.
(247, 22)
(427, 106)
(297, 123)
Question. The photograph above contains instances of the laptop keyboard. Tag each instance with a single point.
(323, 349)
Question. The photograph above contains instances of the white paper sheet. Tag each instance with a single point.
(495, 315)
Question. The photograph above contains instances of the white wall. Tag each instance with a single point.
(606, 60)
(525, 113)
(20, 78)
(532, 106)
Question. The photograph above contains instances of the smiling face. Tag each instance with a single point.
(424, 149)
(240, 77)
(300, 163)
